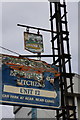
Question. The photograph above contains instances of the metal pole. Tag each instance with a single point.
(36, 28)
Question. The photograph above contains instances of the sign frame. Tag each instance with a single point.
(35, 46)
(9, 87)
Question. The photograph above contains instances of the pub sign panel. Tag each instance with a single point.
(29, 82)
(33, 42)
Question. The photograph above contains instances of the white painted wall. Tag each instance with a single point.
(41, 113)
(23, 113)
(76, 81)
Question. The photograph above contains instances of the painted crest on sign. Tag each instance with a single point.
(33, 42)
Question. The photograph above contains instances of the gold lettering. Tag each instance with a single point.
(49, 101)
(4, 95)
(13, 96)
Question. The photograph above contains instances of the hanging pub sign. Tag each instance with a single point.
(33, 42)
(29, 82)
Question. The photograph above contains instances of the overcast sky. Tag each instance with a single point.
(34, 14)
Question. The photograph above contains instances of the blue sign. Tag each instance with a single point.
(25, 91)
